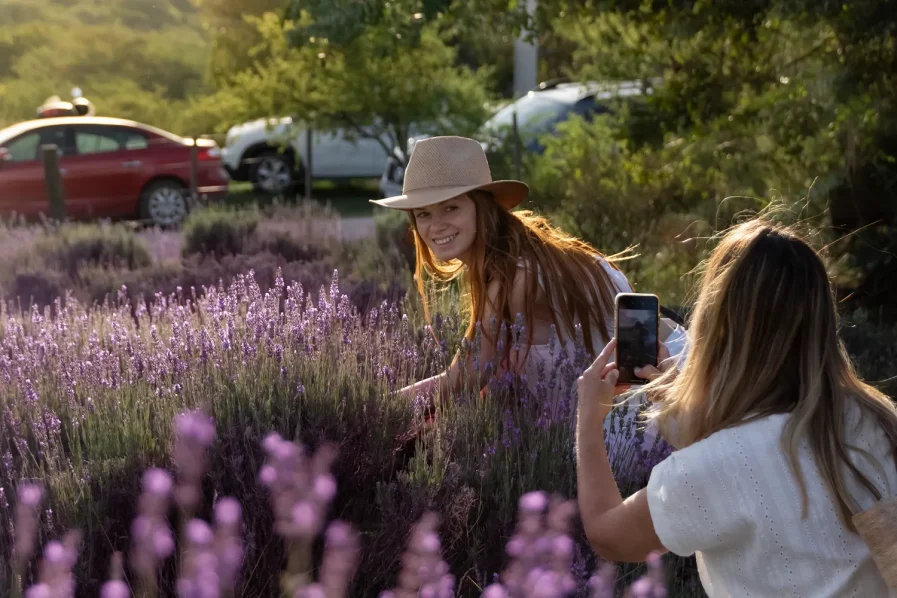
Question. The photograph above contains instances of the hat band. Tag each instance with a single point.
(452, 186)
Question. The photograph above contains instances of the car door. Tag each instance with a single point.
(336, 154)
(22, 188)
(332, 156)
(104, 175)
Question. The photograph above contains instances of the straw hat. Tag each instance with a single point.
(441, 168)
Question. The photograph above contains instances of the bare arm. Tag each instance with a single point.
(618, 530)
(462, 373)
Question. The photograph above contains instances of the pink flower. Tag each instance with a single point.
(115, 589)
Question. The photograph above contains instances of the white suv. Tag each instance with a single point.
(270, 153)
(538, 114)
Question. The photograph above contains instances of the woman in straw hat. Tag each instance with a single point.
(784, 455)
(513, 266)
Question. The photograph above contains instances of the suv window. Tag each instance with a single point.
(535, 115)
(588, 108)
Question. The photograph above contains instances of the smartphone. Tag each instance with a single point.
(636, 328)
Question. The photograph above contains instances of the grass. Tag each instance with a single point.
(348, 198)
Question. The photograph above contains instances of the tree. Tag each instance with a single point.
(233, 33)
(143, 59)
(376, 84)
(751, 100)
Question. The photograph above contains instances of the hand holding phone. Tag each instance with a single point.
(637, 330)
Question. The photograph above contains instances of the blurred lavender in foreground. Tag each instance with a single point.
(302, 489)
(424, 573)
(55, 579)
(27, 522)
(151, 538)
(541, 550)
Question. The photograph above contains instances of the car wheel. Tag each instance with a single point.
(165, 204)
(273, 173)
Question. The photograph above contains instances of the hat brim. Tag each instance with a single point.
(508, 194)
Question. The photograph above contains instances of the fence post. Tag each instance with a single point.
(517, 173)
(53, 181)
(308, 157)
(194, 172)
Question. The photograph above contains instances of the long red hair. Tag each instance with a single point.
(577, 287)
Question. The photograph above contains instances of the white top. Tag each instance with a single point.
(732, 499)
(621, 440)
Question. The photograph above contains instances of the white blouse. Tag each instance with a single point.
(732, 500)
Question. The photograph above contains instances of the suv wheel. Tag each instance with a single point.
(273, 173)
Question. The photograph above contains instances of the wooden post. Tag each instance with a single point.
(308, 157)
(53, 181)
(194, 172)
(516, 140)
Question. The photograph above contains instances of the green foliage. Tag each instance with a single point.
(70, 248)
(219, 232)
(375, 85)
(747, 104)
(872, 345)
(139, 59)
(393, 230)
(233, 34)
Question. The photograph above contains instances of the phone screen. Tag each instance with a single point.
(637, 328)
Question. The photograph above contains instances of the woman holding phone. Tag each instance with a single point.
(779, 442)
(509, 263)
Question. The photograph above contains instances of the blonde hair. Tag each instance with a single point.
(765, 341)
(577, 288)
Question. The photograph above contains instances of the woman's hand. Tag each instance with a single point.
(649, 372)
(597, 387)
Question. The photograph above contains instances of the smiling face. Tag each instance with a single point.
(448, 228)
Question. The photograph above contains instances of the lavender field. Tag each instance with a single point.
(93, 400)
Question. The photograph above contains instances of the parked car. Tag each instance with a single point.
(270, 153)
(539, 113)
(111, 168)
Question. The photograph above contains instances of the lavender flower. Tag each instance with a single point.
(424, 573)
(199, 566)
(115, 587)
(194, 432)
(55, 578)
(151, 537)
(228, 543)
(27, 520)
(301, 490)
(341, 554)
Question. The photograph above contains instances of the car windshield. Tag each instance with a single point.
(535, 115)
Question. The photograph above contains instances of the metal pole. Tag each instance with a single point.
(53, 181)
(194, 172)
(526, 57)
(308, 162)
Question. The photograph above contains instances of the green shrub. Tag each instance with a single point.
(393, 232)
(38, 287)
(219, 232)
(872, 345)
(69, 248)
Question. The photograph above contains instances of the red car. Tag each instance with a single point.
(111, 168)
